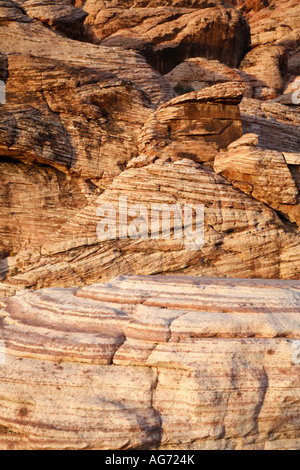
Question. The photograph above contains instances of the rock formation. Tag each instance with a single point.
(152, 363)
(84, 124)
(91, 125)
(167, 35)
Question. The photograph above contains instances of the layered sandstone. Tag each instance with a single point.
(85, 124)
(199, 73)
(152, 363)
(177, 149)
(170, 33)
(276, 183)
(60, 15)
(267, 69)
(195, 126)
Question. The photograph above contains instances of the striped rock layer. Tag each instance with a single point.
(152, 363)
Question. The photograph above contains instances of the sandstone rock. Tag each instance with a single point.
(200, 73)
(60, 15)
(277, 125)
(78, 114)
(249, 6)
(195, 126)
(168, 35)
(267, 68)
(277, 25)
(265, 175)
(34, 201)
(72, 105)
(152, 363)
(243, 237)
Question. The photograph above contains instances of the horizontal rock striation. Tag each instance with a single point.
(152, 363)
(84, 124)
(167, 35)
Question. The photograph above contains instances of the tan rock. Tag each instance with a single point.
(277, 125)
(34, 201)
(200, 73)
(63, 98)
(243, 237)
(167, 35)
(60, 15)
(154, 363)
(195, 126)
(249, 6)
(265, 175)
(278, 25)
(267, 68)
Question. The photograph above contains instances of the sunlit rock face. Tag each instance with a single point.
(168, 33)
(84, 124)
(165, 362)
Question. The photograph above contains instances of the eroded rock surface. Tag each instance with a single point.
(73, 105)
(152, 363)
(277, 181)
(84, 124)
(167, 34)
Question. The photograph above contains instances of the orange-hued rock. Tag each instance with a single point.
(199, 73)
(195, 126)
(167, 34)
(162, 363)
(60, 15)
(244, 237)
(34, 201)
(84, 124)
(266, 67)
(71, 105)
(277, 181)
(278, 24)
(249, 6)
(277, 125)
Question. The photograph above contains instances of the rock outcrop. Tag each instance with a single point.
(61, 15)
(199, 73)
(73, 105)
(152, 363)
(267, 70)
(194, 126)
(279, 25)
(277, 181)
(84, 124)
(170, 33)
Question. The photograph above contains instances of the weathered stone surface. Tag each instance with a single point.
(195, 126)
(277, 25)
(277, 125)
(249, 6)
(266, 175)
(200, 73)
(167, 35)
(34, 201)
(243, 237)
(267, 68)
(60, 15)
(75, 106)
(152, 363)
(77, 115)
